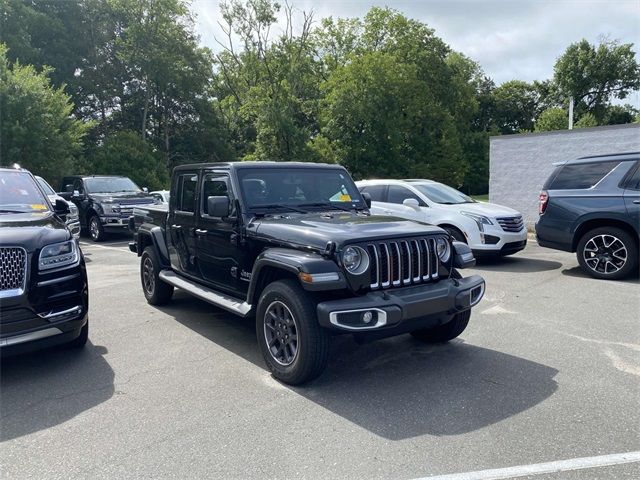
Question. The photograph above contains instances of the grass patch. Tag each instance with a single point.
(481, 198)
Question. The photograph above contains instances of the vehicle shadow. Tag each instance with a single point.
(45, 388)
(579, 273)
(516, 264)
(397, 388)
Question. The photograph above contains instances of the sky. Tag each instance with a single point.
(510, 39)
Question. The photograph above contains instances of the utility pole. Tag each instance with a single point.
(571, 113)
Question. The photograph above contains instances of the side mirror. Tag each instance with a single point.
(218, 206)
(61, 207)
(145, 189)
(411, 203)
(75, 194)
(367, 199)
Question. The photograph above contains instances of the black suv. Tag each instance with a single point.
(105, 203)
(591, 206)
(294, 245)
(44, 298)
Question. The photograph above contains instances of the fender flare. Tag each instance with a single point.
(296, 262)
(156, 236)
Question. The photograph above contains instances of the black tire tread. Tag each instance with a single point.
(312, 361)
(163, 291)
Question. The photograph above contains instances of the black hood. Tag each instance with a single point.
(316, 229)
(31, 230)
(124, 198)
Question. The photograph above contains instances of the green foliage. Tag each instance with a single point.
(516, 106)
(125, 153)
(595, 74)
(586, 120)
(552, 119)
(37, 130)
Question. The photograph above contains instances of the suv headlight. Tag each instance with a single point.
(355, 260)
(479, 219)
(443, 249)
(58, 255)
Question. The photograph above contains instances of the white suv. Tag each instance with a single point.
(487, 228)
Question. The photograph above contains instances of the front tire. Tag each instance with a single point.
(294, 345)
(608, 253)
(448, 331)
(155, 290)
(96, 230)
(81, 340)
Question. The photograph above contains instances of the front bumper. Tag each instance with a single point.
(403, 308)
(496, 241)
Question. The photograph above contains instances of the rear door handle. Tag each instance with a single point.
(200, 231)
(176, 227)
(636, 201)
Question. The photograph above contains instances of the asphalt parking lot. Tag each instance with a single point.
(548, 370)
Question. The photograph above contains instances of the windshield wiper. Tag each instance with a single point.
(328, 204)
(272, 206)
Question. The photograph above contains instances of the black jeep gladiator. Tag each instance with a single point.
(294, 245)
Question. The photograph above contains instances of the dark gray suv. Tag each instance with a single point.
(591, 206)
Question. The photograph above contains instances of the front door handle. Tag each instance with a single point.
(199, 231)
(636, 201)
(176, 227)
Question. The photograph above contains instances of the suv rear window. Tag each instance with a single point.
(579, 175)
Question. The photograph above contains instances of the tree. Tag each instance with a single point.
(552, 119)
(37, 130)
(125, 153)
(594, 75)
(586, 120)
(516, 106)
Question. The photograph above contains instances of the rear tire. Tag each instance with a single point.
(448, 331)
(294, 345)
(608, 253)
(155, 290)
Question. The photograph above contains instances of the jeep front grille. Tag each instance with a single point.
(403, 262)
(511, 224)
(13, 270)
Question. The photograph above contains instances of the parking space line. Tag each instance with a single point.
(542, 468)
(106, 247)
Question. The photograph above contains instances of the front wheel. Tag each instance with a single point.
(96, 230)
(155, 290)
(608, 253)
(293, 344)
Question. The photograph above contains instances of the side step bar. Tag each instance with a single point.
(218, 299)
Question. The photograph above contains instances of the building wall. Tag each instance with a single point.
(520, 164)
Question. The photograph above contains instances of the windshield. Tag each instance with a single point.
(298, 187)
(110, 185)
(440, 193)
(45, 186)
(19, 193)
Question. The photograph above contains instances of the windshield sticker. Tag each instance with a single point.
(38, 206)
(345, 197)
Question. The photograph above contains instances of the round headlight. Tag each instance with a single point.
(355, 260)
(443, 249)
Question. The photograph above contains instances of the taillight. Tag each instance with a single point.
(544, 199)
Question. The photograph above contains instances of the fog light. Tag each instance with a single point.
(367, 317)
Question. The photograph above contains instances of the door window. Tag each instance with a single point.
(580, 175)
(77, 185)
(634, 182)
(186, 193)
(214, 185)
(376, 191)
(398, 194)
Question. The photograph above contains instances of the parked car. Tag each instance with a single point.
(591, 206)
(489, 229)
(72, 220)
(294, 245)
(105, 203)
(161, 196)
(43, 282)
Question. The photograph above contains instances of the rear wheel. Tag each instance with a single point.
(155, 290)
(608, 253)
(457, 235)
(448, 331)
(96, 230)
(293, 344)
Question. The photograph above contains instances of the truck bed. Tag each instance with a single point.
(154, 214)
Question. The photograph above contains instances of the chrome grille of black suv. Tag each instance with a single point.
(402, 262)
(511, 224)
(13, 268)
